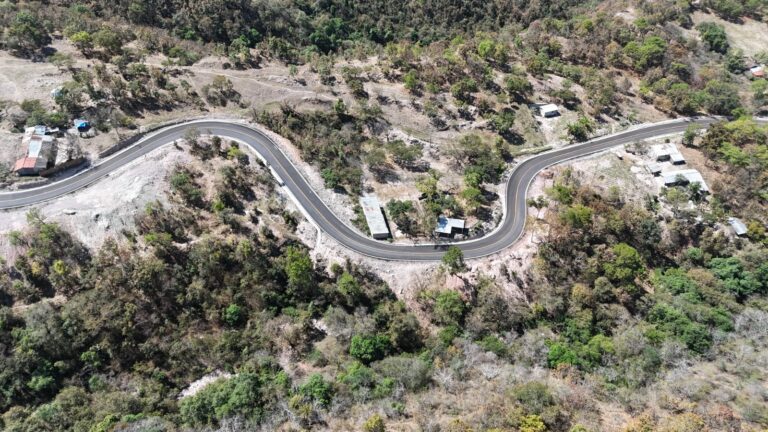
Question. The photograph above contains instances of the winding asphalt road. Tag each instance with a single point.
(507, 233)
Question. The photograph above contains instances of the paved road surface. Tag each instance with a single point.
(508, 232)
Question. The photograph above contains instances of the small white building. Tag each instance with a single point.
(684, 177)
(677, 158)
(449, 226)
(653, 168)
(739, 227)
(667, 152)
(549, 110)
(757, 71)
(375, 217)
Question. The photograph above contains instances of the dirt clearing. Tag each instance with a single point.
(750, 36)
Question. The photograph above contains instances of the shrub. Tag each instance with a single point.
(374, 424)
(349, 288)
(714, 36)
(317, 389)
(183, 184)
(454, 259)
(625, 265)
(356, 376)
(577, 216)
(369, 348)
(411, 372)
(493, 344)
(233, 315)
(580, 129)
(648, 54)
(242, 395)
(449, 308)
(534, 397)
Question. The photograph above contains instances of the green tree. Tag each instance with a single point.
(233, 315)
(759, 92)
(240, 52)
(504, 122)
(720, 97)
(691, 132)
(349, 288)
(518, 86)
(486, 48)
(673, 322)
(624, 264)
(453, 259)
(299, 270)
(62, 61)
(183, 184)
(242, 395)
(577, 216)
(83, 41)
(411, 81)
(648, 54)
(684, 99)
(109, 40)
(401, 212)
(329, 34)
(580, 129)
(714, 36)
(331, 178)
(317, 389)
(734, 61)
(27, 34)
(374, 424)
(473, 198)
(449, 308)
(463, 89)
(534, 397)
(403, 154)
(369, 348)
(735, 277)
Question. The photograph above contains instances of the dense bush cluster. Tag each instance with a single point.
(177, 302)
(606, 265)
(621, 293)
(332, 141)
(741, 151)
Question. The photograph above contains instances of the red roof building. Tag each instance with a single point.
(30, 165)
(39, 147)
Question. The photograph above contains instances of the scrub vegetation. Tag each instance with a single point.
(636, 315)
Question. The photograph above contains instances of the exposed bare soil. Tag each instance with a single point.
(750, 36)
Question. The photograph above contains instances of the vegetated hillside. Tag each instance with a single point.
(328, 24)
(464, 66)
(637, 315)
(657, 316)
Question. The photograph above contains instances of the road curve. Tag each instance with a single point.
(506, 234)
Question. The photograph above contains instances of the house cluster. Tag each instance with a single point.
(665, 165)
(379, 228)
(46, 151)
(665, 162)
(446, 227)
